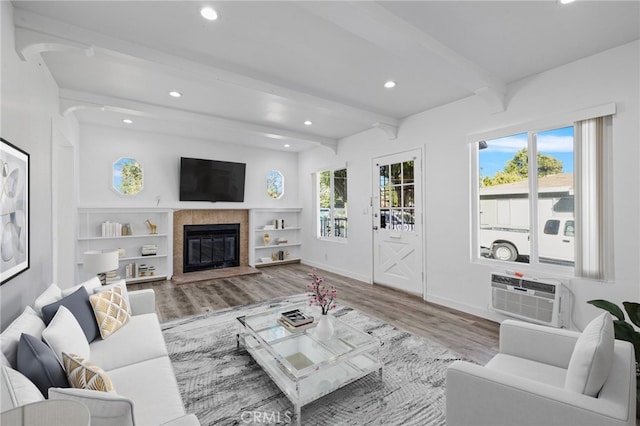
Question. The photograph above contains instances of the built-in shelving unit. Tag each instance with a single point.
(261, 222)
(90, 238)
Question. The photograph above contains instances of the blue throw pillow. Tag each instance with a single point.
(38, 363)
(79, 305)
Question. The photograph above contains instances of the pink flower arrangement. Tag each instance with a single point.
(320, 295)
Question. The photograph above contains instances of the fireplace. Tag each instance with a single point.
(211, 246)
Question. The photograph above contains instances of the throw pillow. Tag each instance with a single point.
(90, 285)
(123, 286)
(592, 357)
(50, 295)
(64, 334)
(86, 375)
(111, 311)
(78, 303)
(16, 390)
(28, 322)
(39, 364)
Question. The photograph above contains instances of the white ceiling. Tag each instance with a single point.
(254, 76)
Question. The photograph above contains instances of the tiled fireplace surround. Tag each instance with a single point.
(207, 217)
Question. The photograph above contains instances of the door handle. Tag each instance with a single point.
(566, 241)
(375, 228)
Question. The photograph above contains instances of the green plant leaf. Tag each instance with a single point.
(633, 310)
(624, 331)
(612, 308)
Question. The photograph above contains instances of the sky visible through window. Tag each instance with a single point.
(557, 143)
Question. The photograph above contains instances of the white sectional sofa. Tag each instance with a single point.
(135, 359)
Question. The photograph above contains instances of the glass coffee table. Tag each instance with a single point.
(304, 367)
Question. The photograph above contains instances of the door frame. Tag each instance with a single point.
(420, 154)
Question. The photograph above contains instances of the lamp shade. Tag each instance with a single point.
(98, 262)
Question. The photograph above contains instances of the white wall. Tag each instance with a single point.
(160, 157)
(29, 111)
(452, 278)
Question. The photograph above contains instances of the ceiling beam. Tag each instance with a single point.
(71, 100)
(47, 32)
(379, 26)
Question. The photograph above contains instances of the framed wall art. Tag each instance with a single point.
(14, 211)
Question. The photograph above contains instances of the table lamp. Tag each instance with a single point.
(99, 263)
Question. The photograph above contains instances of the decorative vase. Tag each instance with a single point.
(324, 329)
(266, 239)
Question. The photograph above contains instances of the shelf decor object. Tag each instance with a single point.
(14, 206)
(100, 263)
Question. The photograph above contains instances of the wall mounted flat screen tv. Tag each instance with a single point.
(211, 180)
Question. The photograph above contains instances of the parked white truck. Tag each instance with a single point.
(556, 243)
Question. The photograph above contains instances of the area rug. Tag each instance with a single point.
(223, 385)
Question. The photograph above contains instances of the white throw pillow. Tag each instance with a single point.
(16, 390)
(123, 287)
(64, 334)
(50, 295)
(592, 357)
(28, 322)
(90, 285)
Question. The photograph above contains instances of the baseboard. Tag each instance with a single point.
(473, 310)
(349, 274)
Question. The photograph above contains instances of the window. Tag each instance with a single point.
(553, 216)
(332, 202)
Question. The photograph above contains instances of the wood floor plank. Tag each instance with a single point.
(473, 337)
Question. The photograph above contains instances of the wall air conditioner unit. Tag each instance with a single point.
(532, 300)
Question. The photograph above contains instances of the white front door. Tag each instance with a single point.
(397, 221)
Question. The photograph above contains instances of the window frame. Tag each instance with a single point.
(532, 128)
(316, 175)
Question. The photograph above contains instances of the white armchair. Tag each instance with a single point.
(525, 383)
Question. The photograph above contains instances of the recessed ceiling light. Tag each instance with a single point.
(566, 1)
(175, 94)
(127, 121)
(308, 123)
(286, 145)
(209, 13)
(390, 84)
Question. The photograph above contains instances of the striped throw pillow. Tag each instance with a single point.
(83, 374)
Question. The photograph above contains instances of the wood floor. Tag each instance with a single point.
(473, 337)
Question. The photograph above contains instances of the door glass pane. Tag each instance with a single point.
(408, 196)
(396, 174)
(396, 196)
(504, 171)
(407, 171)
(395, 220)
(555, 196)
(409, 220)
(384, 175)
(384, 197)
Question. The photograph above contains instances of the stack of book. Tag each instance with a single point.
(295, 318)
(149, 250)
(111, 229)
(112, 276)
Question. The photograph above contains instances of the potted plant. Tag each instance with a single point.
(624, 330)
